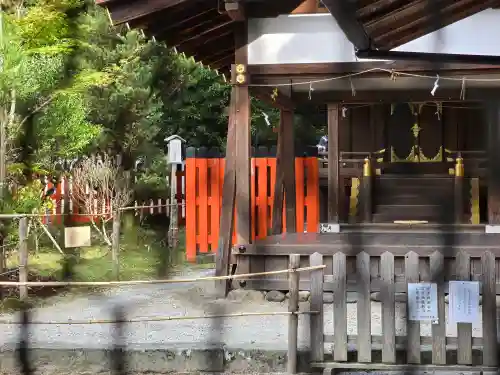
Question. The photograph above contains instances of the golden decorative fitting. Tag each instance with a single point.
(459, 167)
(240, 69)
(367, 168)
(240, 78)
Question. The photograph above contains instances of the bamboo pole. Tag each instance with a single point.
(293, 308)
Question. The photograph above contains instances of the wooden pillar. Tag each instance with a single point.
(285, 176)
(333, 163)
(228, 202)
(243, 141)
(459, 190)
(236, 189)
(494, 163)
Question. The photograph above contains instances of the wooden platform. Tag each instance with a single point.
(374, 239)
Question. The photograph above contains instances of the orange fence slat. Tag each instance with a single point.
(299, 192)
(253, 211)
(191, 209)
(271, 163)
(202, 165)
(261, 199)
(312, 199)
(214, 201)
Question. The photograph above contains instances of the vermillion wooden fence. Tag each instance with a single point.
(156, 206)
(204, 182)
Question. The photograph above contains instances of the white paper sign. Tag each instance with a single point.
(464, 301)
(422, 301)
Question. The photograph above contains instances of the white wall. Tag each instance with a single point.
(316, 38)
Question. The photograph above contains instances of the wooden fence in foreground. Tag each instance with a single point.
(204, 182)
(410, 353)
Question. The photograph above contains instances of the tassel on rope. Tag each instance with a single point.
(462, 91)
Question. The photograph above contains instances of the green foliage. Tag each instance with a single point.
(27, 199)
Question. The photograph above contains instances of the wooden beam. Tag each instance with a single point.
(333, 163)
(200, 29)
(392, 96)
(344, 13)
(218, 54)
(279, 186)
(212, 46)
(288, 165)
(236, 10)
(421, 26)
(399, 16)
(212, 38)
(494, 163)
(259, 72)
(222, 63)
(174, 22)
(122, 13)
(374, 7)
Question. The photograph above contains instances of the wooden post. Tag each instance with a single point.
(23, 257)
(173, 208)
(316, 320)
(293, 308)
(115, 243)
(277, 214)
(494, 164)
(459, 190)
(285, 176)
(366, 189)
(333, 163)
(243, 140)
(228, 201)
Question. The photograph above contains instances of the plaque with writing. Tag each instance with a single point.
(464, 301)
(422, 301)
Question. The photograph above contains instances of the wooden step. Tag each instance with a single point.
(394, 182)
(420, 216)
(423, 191)
(409, 209)
(404, 199)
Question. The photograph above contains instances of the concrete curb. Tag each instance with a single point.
(93, 361)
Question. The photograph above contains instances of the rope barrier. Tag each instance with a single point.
(148, 282)
(159, 318)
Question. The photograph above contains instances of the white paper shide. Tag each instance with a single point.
(464, 301)
(422, 301)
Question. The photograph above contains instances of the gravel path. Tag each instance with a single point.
(261, 332)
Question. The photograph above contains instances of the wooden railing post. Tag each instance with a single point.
(293, 308)
(459, 190)
(23, 257)
(316, 320)
(366, 189)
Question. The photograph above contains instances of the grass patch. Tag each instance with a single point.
(142, 253)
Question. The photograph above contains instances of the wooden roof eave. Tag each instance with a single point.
(125, 12)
